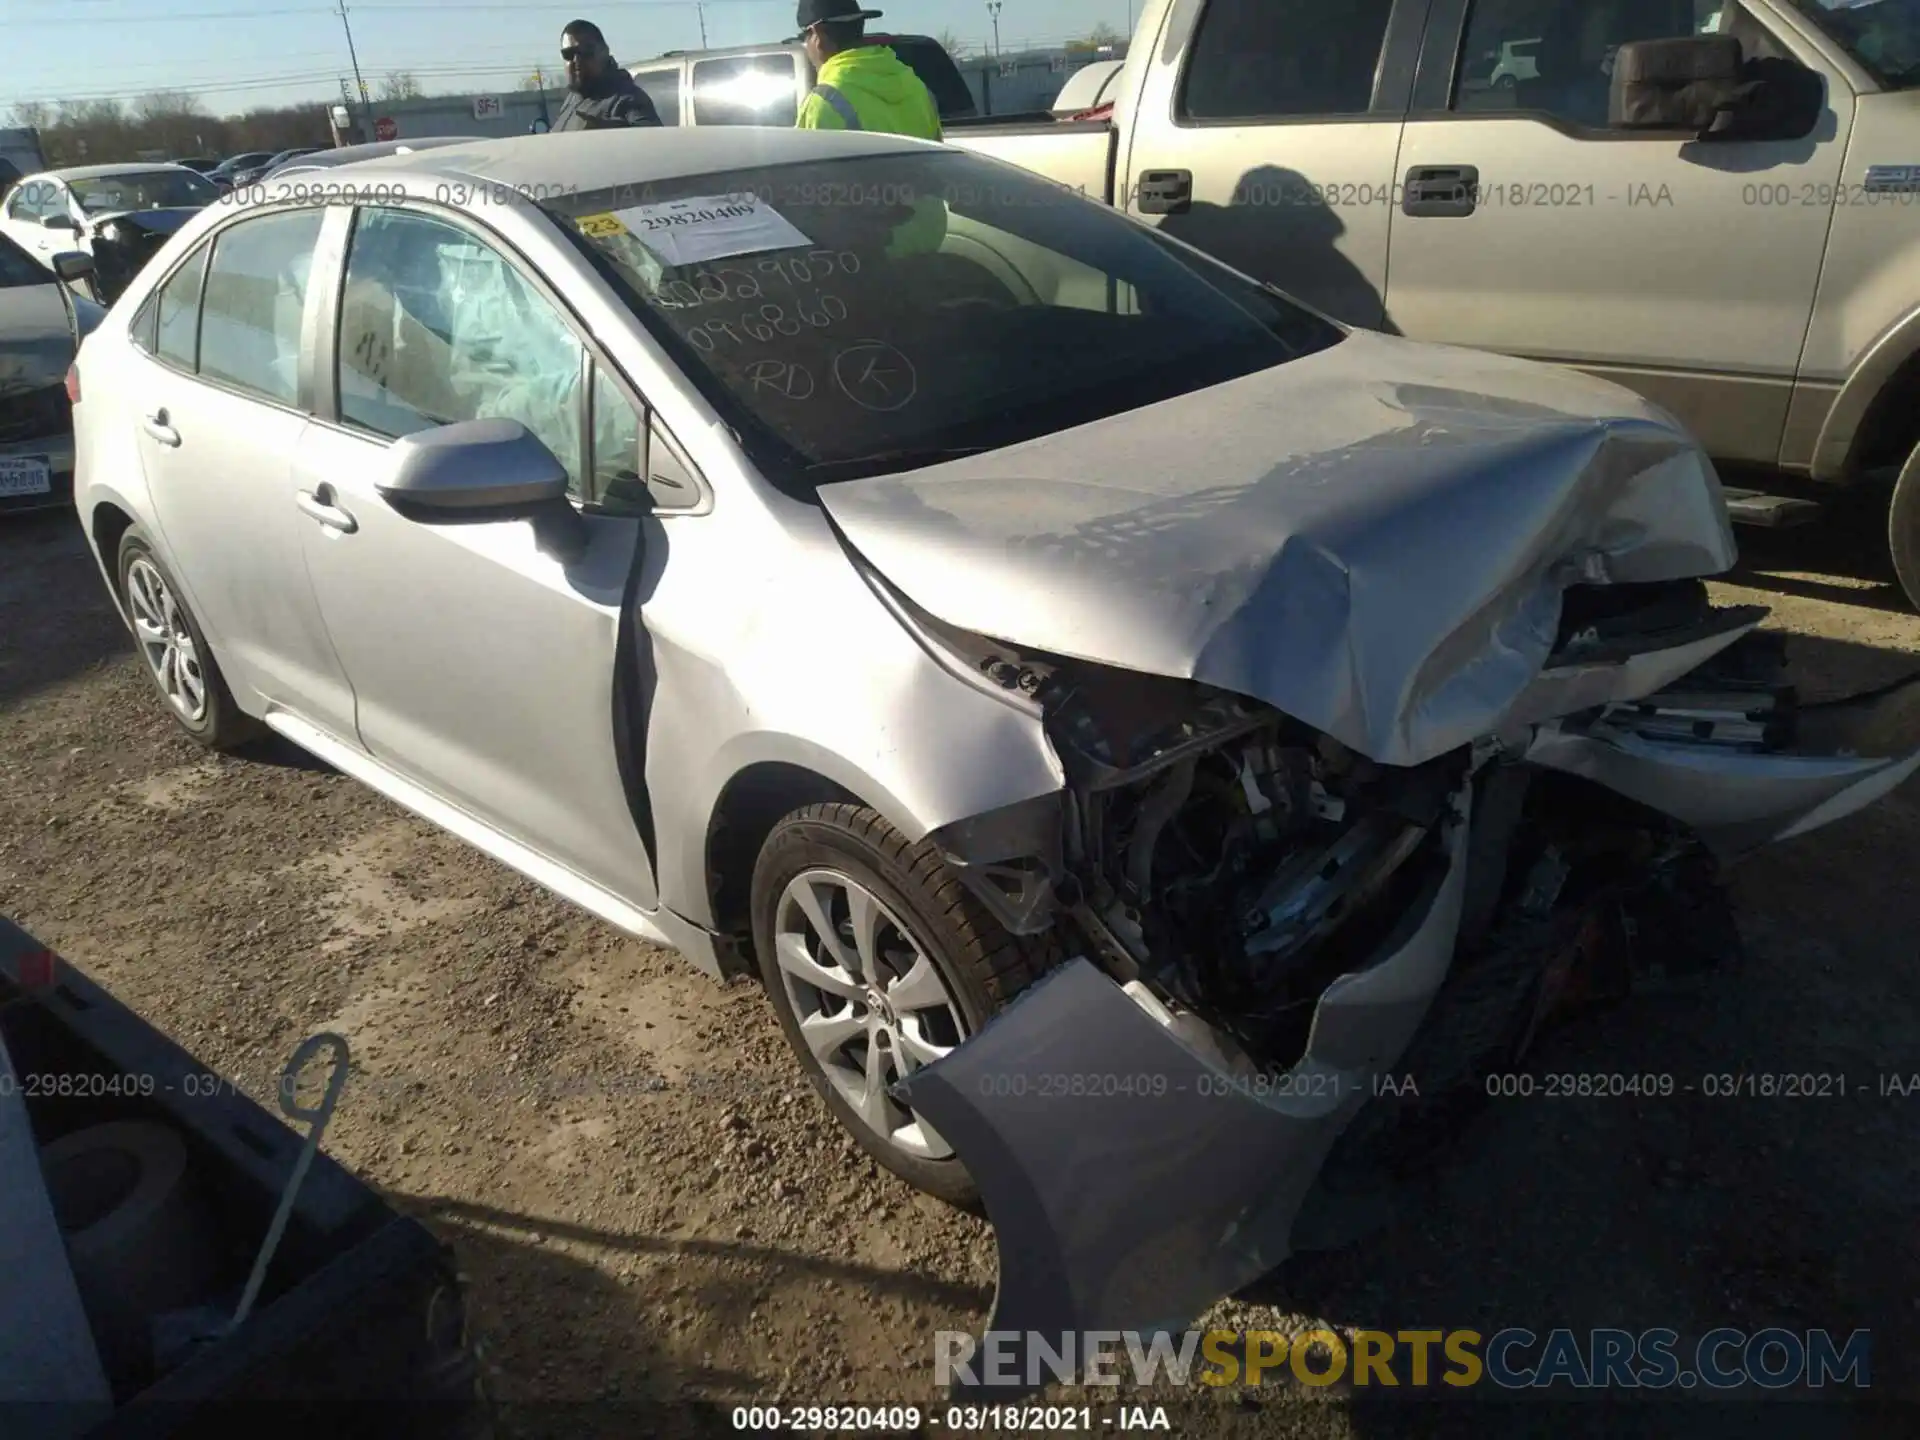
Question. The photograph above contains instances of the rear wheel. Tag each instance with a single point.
(879, 961)
(1903, 528)
(178, 657)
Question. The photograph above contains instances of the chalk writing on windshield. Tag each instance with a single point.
(875, 376)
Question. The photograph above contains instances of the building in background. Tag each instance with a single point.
(491, 114)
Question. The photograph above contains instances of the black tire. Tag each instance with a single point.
(983, 966)
(1903, 528)
(222, 724)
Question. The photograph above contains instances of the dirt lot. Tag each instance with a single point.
(716, 1240)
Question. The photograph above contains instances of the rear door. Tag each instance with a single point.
(1267, 133)
(220, 405)
(484, 668)
(1684, 270)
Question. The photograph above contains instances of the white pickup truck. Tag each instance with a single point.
(1715, 205)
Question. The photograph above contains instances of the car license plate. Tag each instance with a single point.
(22, 476)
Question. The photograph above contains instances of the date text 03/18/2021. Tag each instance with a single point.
(956, 1419)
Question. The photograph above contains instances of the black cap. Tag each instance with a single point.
(814, 12)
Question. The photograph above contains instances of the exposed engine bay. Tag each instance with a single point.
(1236, 862)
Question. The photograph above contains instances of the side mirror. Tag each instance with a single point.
(60, 222)
(486, 470)
(1704, 85)
(73, 265)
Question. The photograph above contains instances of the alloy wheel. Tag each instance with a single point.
(160, 625)
(871, 1005)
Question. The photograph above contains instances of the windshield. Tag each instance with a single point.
(143, 190)
(19, 268)
(1883, 35)
(861, 315)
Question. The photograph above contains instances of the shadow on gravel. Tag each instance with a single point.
(906, 1286)
(566, 1350)
(56, 619)
(1849, 544)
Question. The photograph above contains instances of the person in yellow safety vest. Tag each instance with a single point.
(862, 86)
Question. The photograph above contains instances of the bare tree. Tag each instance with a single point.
(399, 85)
(1104, 34)
(952, 44)
(33, 114)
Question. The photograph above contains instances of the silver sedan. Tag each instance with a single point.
(1120, 713)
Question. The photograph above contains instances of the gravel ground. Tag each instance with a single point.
(648, 1207)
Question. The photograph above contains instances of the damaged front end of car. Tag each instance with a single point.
(1268, 927)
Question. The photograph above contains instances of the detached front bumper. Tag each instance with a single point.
(1135, 1175)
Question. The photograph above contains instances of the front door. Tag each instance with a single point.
(1271, 141)
(1685, 270)
(483, 668)
(220, 414)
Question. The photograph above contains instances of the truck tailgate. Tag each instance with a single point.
(1077, 154)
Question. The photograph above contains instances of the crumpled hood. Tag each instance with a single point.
(36, 347)
(871, 70)
(1373, 539)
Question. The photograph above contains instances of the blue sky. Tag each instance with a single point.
(237, 56)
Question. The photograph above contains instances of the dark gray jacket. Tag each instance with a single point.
(615, 102)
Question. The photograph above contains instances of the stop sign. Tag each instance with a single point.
(384, 128)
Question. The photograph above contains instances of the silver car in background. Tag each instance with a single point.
(1114, 708)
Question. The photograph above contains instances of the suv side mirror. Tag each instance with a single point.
(1704, 85)
(73, 266)
(60, 222)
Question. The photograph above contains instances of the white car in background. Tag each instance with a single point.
(119, 214)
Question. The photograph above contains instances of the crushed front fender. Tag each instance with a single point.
(1132, 1179)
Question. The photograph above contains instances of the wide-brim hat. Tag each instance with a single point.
(816, 12)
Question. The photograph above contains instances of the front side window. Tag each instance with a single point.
(1883, 35)
(1555, 57)
(254, 303)
(1283, 59)
(745, 90)
(144, 190)
(853, 315)
(437, 327)
(663, 89)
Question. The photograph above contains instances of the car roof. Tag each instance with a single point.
(600, 159)
(132, 167)
(379, 149)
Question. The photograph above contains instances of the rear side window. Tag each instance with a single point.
(663, 89)
(1285, 59)
(255, 298)
(746, 90)
(178, 336)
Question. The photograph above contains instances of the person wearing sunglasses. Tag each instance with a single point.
(860, 85)
(601, 96)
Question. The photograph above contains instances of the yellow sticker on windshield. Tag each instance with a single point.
(605, 223)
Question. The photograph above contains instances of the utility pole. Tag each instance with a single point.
(993, 9)
(540, 84)
(701, 9)
(366, 105)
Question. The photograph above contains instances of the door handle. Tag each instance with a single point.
(1441, 190)
(319, 505)
(156, 425)
(1164, 192)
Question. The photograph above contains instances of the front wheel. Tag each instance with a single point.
(1903, 528)
(879, 961)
